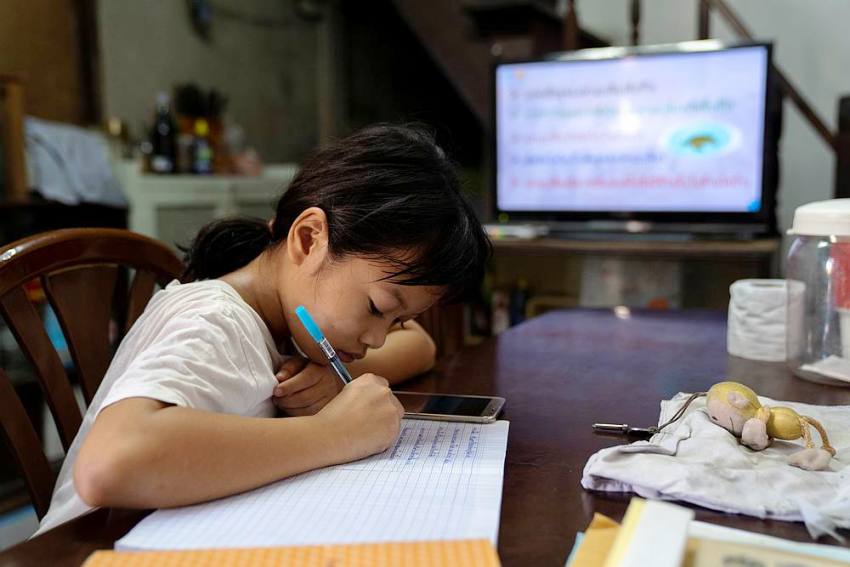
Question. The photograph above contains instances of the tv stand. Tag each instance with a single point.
(682, 230)
(552, 265)
(638, 245)
(630, 230)
(657, 236)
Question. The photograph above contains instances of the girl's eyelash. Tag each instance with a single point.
(377, 313)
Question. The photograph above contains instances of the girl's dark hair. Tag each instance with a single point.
(389, 193)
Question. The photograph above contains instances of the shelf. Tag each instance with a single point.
(652, 248)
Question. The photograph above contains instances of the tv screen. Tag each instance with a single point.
(655, 133)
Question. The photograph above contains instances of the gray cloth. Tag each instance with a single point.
(696, 461)
(70, 164)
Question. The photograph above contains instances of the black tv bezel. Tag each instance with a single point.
(765, 217)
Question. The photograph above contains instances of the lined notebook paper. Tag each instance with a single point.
(440, 480)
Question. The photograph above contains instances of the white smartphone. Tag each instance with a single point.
(450, 407)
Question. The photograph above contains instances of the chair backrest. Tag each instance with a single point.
(92, 279)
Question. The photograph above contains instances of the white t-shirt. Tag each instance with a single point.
(197, 345)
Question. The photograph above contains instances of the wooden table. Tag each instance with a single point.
(560, 373)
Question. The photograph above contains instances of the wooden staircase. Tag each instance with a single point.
(465, 38)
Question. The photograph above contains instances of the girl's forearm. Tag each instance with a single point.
(173, 456)
(406, 352)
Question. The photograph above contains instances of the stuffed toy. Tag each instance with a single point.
(736, 408)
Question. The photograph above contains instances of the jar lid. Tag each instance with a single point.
(822, 218)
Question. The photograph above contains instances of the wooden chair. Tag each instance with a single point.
(84, 273)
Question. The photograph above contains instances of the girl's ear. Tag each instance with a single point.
(307, 241)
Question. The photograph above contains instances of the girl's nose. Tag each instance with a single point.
(375, 336)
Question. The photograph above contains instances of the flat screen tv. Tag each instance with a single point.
(672, 135)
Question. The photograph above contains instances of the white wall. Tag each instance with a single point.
(269, 74)
(811, 45)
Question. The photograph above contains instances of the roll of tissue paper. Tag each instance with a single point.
(758, 319)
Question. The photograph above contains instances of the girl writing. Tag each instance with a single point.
(371, 233)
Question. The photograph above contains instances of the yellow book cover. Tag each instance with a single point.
(459, 553)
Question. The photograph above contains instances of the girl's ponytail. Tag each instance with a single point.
(223, 246)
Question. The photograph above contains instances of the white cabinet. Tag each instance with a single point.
(172, 208)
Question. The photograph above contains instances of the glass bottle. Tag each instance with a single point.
(162, 137)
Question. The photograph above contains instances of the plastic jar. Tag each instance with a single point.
(818, 276)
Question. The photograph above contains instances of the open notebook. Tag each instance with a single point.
(439, 481)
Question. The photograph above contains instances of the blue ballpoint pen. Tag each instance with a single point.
(323, 343)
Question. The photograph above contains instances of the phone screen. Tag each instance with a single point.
(441, 404)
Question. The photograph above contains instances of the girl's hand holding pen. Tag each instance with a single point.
(364, 418)
(364, 415)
